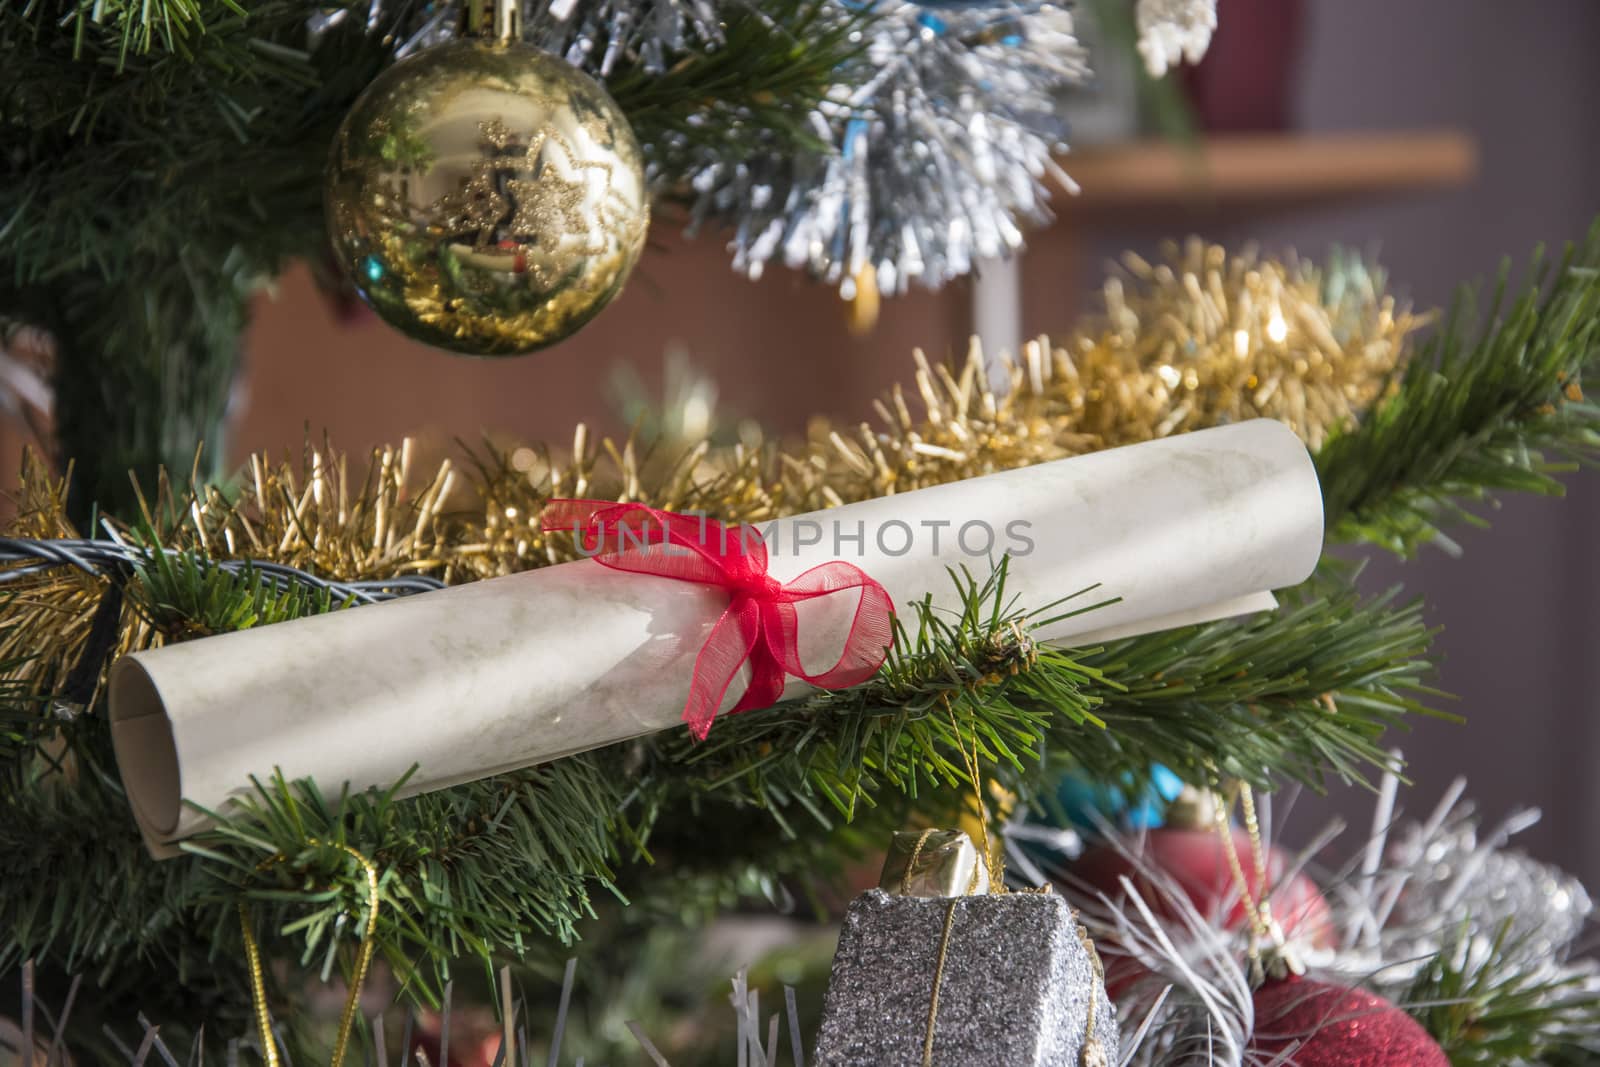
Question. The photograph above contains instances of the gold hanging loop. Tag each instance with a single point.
(1263, 928)
(352, 1000)
(258, 990)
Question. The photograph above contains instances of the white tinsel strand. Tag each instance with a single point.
(1196, 1007)
(1192, 1006)
(1172, 31)
(147, 1045)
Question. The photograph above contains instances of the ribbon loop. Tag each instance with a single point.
(760, 625)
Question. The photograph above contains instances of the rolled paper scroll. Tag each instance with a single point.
(493, 676)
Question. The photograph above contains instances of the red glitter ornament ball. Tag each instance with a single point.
(1315, 1024)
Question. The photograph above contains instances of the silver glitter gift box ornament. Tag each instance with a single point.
(983, 980)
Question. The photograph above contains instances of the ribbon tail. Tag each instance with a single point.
(725, 651)
(867, 641)
(766, 675)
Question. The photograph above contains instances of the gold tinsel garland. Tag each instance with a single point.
(1198, 339)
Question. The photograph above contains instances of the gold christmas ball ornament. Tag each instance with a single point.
(486, 197)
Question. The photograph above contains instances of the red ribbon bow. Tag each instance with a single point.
(759, 626)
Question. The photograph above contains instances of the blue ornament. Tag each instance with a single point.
(1087, 804)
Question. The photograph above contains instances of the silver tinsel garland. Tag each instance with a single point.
(937, 146)
(594, 34)
(1412, 894)
(1455, 874)
(934, 149)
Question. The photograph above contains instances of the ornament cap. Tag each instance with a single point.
(495, 20)
(1274, 958)
(1194, 809)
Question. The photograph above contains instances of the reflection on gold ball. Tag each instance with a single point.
(486, 198)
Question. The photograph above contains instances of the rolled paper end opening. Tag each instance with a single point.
(147, 755)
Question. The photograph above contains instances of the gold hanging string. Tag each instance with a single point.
(997, 886)
(352, 1000)
(1247, 805)
(938, 980)
(911, 864)
(1225, 834)
(994, 867)
(1263, 928)
(258, 990)
(1094, 1053)
(944, 941)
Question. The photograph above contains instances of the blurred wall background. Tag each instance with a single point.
(1521, 610)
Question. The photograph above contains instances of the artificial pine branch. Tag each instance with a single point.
(467, 872)
(475, 869)
(183, 599)
(1498, 1000)
(150, 191)
(756, 92)
(1493, 402)
(941, 690)
(1303, 693)
(82, 896)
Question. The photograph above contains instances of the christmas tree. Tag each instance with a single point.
(323, 802)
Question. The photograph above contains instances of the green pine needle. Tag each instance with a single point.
(184, 599)
(1305, 693)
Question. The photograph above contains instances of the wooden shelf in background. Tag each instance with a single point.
(1262, 171)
